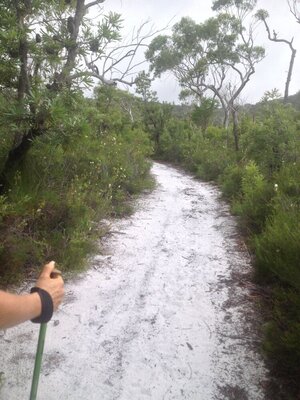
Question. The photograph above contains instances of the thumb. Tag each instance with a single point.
(47, 269)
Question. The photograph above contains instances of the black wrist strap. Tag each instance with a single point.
(47, 305)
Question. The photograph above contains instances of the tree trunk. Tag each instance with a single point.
(16, 155)
(289, 76)
(23, 84)
(235, 128)
(226, 118)
(23, 81)
(72, 49)
(20, 149)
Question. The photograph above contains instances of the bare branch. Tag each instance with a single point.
(274, 38)
(93, 3)
(109, 82)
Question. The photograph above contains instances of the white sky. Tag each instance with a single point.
(270, 73)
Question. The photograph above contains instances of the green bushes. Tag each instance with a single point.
(206, 154)
(212, 155)
(173, 141)
(253, 203)
(231, 181)
(271, 141)
(278, 246)
(282, 334)
(82, 170)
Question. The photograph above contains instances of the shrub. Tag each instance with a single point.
(70, 178)
(271, 141)
(231, 181)
(282, 336)
(278, 247)
(174, 140)
(253, 205)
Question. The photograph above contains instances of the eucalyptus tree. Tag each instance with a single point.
(50, 47)
(207, 57)
(263, 16)
(249, 54)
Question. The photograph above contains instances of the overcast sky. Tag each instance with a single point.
(270, 73)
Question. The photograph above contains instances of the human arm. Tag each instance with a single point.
(15, 309)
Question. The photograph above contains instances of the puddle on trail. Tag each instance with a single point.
(165, 314)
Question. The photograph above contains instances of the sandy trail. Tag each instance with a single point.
(164, 315)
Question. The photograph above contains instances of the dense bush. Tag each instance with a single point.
(173, 141)
(253, 203)
(273, 139)
(282, 334)
(231, 181)
(82, 170)
(278, 246)
(206, 154)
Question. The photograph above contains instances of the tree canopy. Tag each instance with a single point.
(208, 58)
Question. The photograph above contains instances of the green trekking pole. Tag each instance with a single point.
(38, 361)
(46, 315)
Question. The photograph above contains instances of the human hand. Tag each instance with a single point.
(54, 284)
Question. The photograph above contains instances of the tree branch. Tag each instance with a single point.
(274, 38)
(93, 3)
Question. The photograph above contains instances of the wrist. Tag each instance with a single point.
(46, 305)
(34, 305)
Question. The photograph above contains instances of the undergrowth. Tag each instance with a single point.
(87, 167)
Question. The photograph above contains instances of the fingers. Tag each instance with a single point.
(51, 280)
(55, 273)
(47, 269)
(59, 280)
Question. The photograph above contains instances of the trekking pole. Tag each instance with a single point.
(40, 347)
(38, 361)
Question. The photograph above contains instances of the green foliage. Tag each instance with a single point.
(174, 141)
(143, 87)
(231, 181)
(282, 336)
(253, 204)
(205, 154)
(203, 56)
(243, 5)
(202, 115)
(278, 247)
(155, 117)
(84, 169)
(272, 141)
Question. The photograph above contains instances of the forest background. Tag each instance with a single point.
(68, 161)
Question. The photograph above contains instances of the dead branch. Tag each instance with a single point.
(274, 38)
